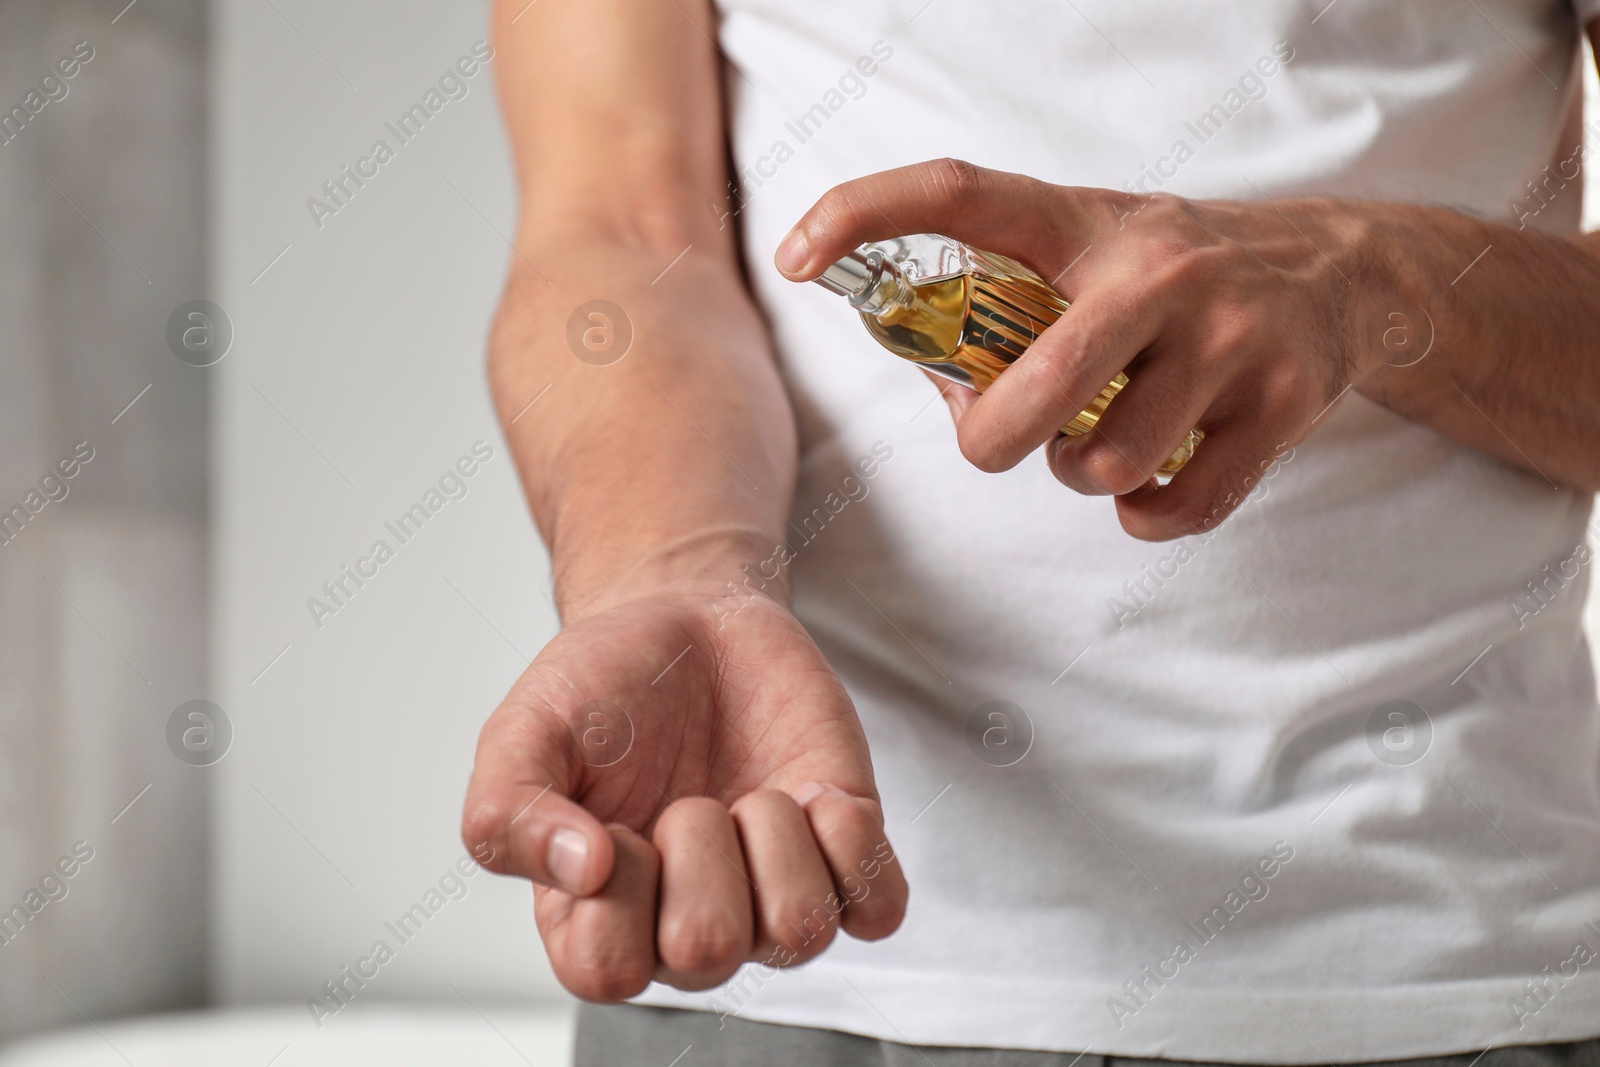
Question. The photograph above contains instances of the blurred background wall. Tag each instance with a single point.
(355, 382)
(103, 601)
(349, 380)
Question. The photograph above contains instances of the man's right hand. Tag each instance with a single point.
(686, 782)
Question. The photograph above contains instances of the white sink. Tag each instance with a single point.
(388, 1035)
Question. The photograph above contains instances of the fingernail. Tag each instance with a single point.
(794, 253)
(569, 857)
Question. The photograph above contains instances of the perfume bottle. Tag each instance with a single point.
(962, 313)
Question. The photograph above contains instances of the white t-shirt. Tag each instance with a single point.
(1222, 841)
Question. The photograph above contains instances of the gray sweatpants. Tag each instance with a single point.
(631, 1036)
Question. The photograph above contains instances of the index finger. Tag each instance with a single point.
(518, 818)
(1045, 226)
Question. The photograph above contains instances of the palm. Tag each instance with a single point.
(657, 702)
(689, 788)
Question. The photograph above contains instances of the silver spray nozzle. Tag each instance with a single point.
(854, 275)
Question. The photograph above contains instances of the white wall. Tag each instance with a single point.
(102, 595)
(358, 356)
(355, 380)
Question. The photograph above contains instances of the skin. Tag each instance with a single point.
(680, 773)
(743, 822)
(1251, 321)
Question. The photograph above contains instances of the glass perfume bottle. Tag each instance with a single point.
(963, 313)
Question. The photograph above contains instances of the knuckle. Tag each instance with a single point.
(1164, 219)
(1285, 388)
(482, 821)
(1173, 262)
(1109, 204)
(837, 197)
(983, 449)
(961, 182)
(840, 209)
(701, 946)
(1056, 358)
(1203, 271)
(873, 924)
(606, 981)
(804, 928)
(1056, 373)
(1171, 208)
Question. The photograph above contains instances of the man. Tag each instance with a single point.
(1291, 760)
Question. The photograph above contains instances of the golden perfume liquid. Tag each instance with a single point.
(962, 313)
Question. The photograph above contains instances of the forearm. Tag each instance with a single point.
(677, 462)
(1514, 363)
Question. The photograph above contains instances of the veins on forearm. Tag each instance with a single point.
(1512, 320)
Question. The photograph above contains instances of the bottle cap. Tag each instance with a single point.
(853, 275)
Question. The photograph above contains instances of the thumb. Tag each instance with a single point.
(519, 817)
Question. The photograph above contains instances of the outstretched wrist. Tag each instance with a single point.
(714, 563)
